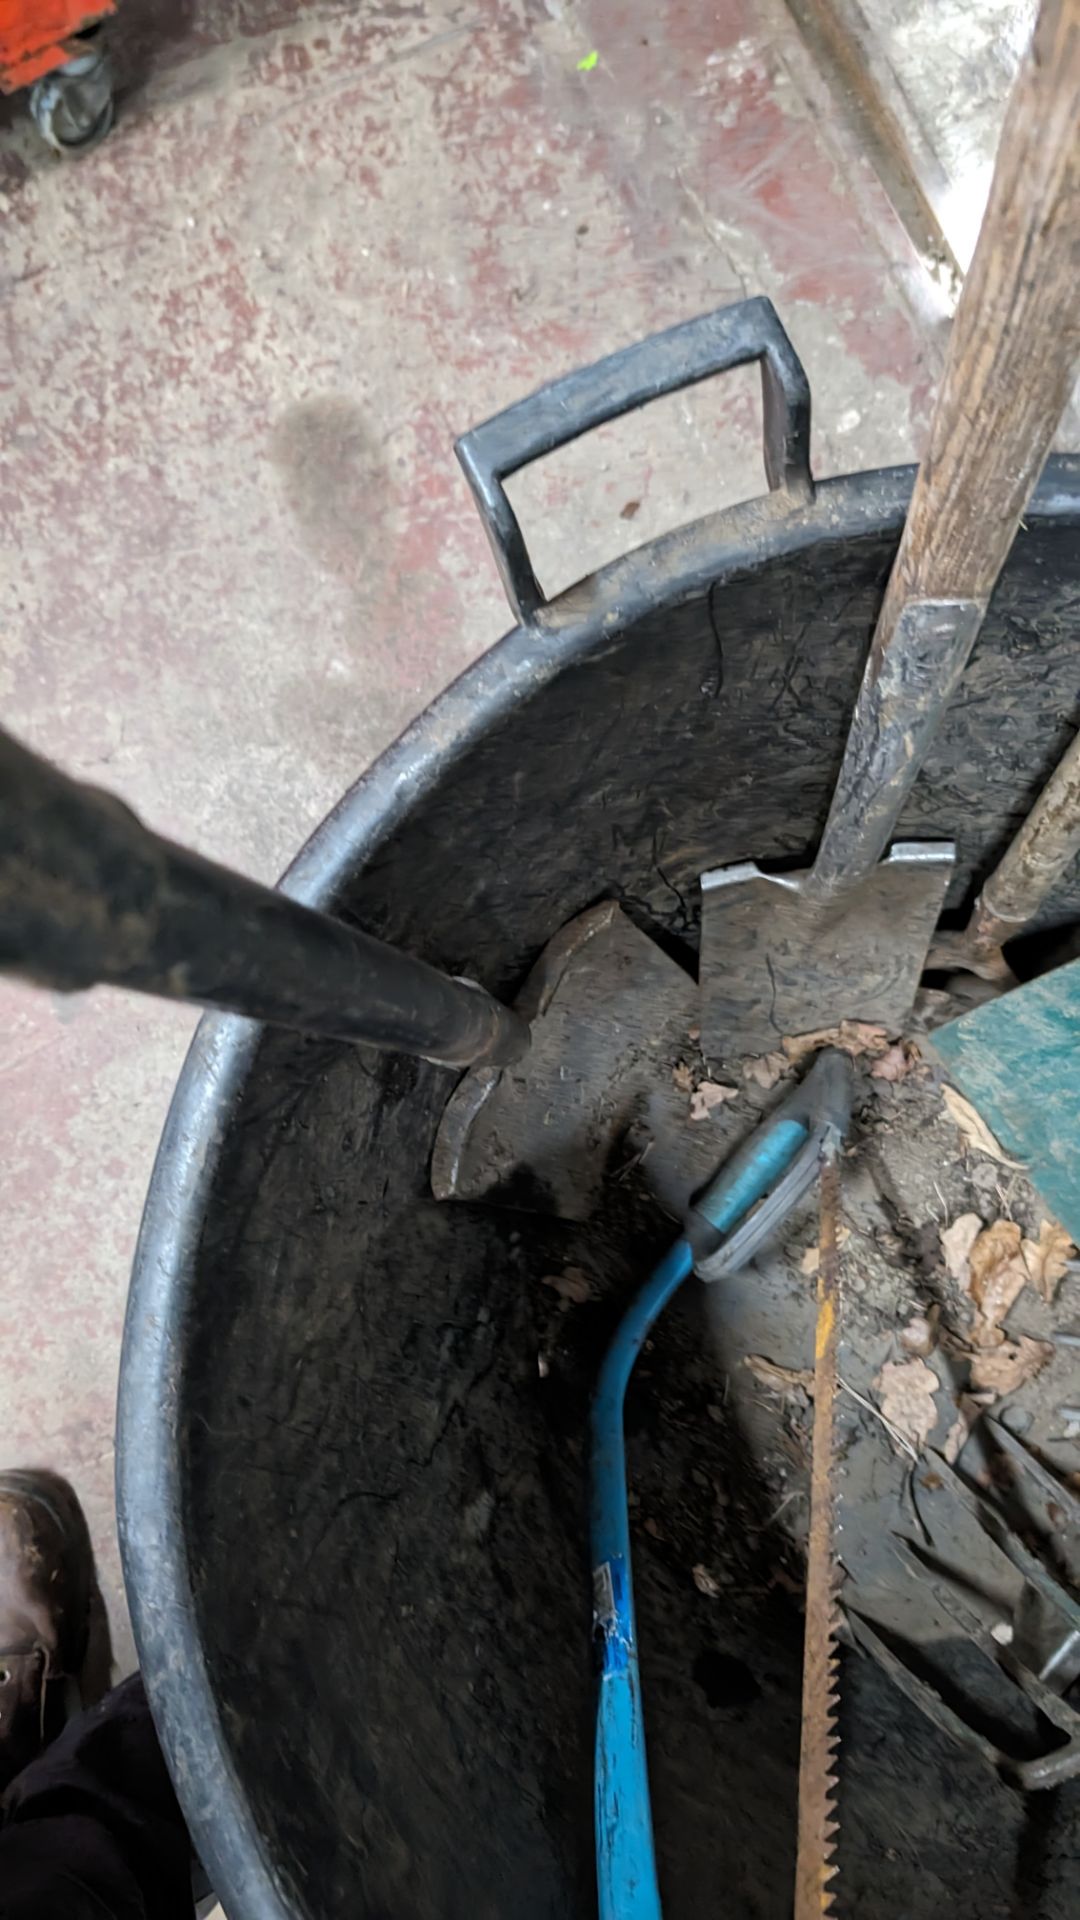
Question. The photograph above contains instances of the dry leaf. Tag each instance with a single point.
(710, 1094)
(706, 1583)
(896, 1062)
(683, 1077)
(1047, 1258)
(769, 1373)
(811, 1259)
(693, 1034)
(766, 1069)
(998, 1275)
(970, 1406)
(851, 1036)
(907, 1389)
(919, 1335)
(1003, 1369)
(572, 1285)
(956, 1244)
(974, 1128)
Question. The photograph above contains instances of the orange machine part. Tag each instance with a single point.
(33, 33)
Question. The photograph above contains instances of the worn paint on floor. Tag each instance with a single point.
(239, 339)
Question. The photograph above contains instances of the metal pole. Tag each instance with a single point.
(90, 896)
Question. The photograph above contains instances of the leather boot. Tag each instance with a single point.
(51, 1614)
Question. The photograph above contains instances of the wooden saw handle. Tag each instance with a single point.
(1009, 367)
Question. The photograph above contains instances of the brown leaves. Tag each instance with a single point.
(703, 1095)
(956, 1244)
(766, 1069)
(851, 1036)
(1047, 1258)
(706, 1582)
(708, 1095)
(1009, 1366)
(907, 1389)
(572, 1286)
(998, 1275)
(920, 1334)
(769, 1373)
(993, 1265)
(811, 1259)
(974, 1127)
(893, 1060)
(996, 1264)
(896, 1062)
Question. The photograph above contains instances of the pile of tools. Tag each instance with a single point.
(88, 894)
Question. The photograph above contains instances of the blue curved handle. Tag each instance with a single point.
(625, 1856)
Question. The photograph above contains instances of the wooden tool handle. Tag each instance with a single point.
(1035, 860)
(1014, 341)
(1010, 363)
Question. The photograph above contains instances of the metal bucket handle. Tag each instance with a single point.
(679, 357)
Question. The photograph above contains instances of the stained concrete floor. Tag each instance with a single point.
(239, 340)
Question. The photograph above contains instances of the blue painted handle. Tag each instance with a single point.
(627, 1886)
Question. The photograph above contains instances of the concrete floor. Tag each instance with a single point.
(239, 340)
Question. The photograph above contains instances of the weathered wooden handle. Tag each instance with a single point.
(1014, 341)
(1009, 367)
(1035, 860)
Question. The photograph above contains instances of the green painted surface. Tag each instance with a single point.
(1017, 1059)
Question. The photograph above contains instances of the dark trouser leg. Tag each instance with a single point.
(91, 1829)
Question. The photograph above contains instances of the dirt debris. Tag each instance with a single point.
(957, 1241)
(894, 1065)
(573, 1286)
(906, 1389)
(707, 1095)
(919, 1337)
(706, 1582)
(811, 1259)
(765, 1069)
(970, 1408)
(949, 1233)
(769, 1373)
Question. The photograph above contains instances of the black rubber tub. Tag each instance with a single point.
(351, 1509)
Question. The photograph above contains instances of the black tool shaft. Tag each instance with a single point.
(90, 896)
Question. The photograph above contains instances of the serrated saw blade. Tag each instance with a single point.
(816, 1864)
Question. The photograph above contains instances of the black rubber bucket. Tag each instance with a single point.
(352, 1512)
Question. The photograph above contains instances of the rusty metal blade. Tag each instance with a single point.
(816, 1866)
(774, 961)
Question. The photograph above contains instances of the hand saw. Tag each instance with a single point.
(815, 1866)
